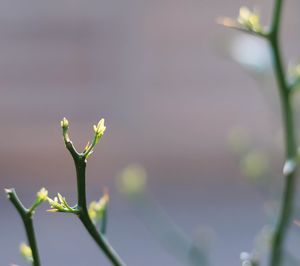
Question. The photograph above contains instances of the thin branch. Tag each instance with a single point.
(284, 219)
(285, 89)
(80, 165)
(26, 215)
(80, 160)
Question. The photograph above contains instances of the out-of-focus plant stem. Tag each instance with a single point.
(26, 215)
(249, 22)
(281, 229)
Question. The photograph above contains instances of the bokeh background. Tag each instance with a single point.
(165, 77)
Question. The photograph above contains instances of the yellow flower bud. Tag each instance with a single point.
(26, 252)
(249, 19)
(42, 194)
(100, 128)
(64, 123)
(97, 208)
(245, 13)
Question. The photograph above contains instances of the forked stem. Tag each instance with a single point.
(80, 160)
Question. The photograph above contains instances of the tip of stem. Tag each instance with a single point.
(8, 191)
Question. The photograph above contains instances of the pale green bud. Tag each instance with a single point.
(97, 208)
(65, 127)
(42, 194)
(100, 128)
(64, 123)
(59, 204)
(26, 252)
(249, 19)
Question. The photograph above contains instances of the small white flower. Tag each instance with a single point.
(247, 20)
(42, 194)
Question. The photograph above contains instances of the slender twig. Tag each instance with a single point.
(80, 160)
(285, 95)
(289, 136)
(26, 215)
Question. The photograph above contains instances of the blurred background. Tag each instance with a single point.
(192, 102)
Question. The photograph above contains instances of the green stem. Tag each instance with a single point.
(289, 137)
(26, 216)
(28, 223)
(276, 19)
(288, 193)
(80, 165)
(100, 240)
(103, 226)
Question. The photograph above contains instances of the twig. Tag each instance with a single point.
(80, 160)
(289, 136)
(26, 215)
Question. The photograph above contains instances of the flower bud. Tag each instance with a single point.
(64, 123)
(100, 128)
(42, 194)
(26, 252)
(249, 19)
(97, 209)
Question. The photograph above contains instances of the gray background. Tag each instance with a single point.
(156, 71)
